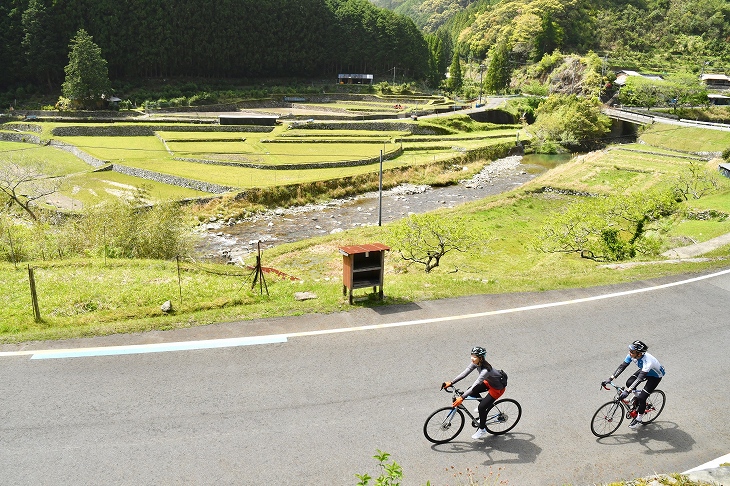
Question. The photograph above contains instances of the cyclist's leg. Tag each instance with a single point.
(476, 392)
(484, 407)
(487, 403)
(651, 384)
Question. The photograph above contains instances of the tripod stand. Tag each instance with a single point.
(258, 273)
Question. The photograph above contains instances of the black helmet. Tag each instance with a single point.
(479, 351)
(638, 346)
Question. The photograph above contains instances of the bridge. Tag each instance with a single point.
(649, 118)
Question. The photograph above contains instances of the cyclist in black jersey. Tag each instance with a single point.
(649, 369)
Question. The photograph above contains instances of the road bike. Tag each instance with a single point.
(446, 423)
(609, 416)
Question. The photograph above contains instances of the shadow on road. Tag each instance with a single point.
(501, 449)
(397, 309)
(662, 437)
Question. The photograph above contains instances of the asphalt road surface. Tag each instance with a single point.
(310, 406)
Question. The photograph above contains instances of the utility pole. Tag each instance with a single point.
(481, 84)
(702, 72)
(380, 192)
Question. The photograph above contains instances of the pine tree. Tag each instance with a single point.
(455, 78)
(499, 72)
(87, 75)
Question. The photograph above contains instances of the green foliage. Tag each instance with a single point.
(437, 60)
(121, 229)
(570, 121)
(462, 123)
(115, 229)
(276, 38)
(542, 69)
(613, 228)
(677, 90)
(390, 473)
(499, 72)
(549, 38)
(87, 76)
(695, 181)
(426, 238)
(456, 79)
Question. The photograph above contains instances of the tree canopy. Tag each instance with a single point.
(569, 120)
(243, 39)
(87, 77)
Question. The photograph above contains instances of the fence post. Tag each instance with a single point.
(33, 295)
(179, 279)
(12, 249)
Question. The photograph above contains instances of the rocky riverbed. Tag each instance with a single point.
(233, 240)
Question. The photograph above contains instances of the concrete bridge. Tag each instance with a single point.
(649, 118)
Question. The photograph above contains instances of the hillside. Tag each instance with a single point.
(652, 34)
(244, 39)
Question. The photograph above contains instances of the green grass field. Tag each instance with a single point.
(282, 146)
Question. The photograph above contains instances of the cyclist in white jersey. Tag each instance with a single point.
(650, 370)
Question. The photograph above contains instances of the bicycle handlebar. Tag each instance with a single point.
(618, 388)
(452, 389)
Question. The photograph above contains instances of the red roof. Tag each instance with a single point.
(353, 249)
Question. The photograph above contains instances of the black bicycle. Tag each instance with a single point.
(446, 423)
(610, 415)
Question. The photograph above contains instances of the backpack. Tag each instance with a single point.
(503, 378)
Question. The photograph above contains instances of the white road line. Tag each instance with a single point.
(281, 338)
(710, 465)
(149, 348)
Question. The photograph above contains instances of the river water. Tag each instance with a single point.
(233, 240)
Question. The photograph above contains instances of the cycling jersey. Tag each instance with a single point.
(492, 377)
(648, 366)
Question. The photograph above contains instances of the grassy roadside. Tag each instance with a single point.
(87, 297)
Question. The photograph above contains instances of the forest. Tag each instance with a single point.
(647, 35)
(265, 42)
(245, 39)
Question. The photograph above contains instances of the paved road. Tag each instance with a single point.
(311, 407)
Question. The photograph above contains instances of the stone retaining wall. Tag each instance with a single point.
(19, 137)
(23, 127)
(72, 149)
(316, 165)
(378, 127)
(171, 179)
(149, 130)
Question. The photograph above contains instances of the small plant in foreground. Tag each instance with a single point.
(391, 473)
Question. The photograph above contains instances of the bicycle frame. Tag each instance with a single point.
(609, 416)
(445, 423)
(474, 419)
(619, 389)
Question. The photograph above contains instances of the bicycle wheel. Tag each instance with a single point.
(607, 419)
(503, 416)
(443, 425)
(654, 406)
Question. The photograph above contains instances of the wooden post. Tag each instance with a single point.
(33, 295)
(12, 249)
(179, 279)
